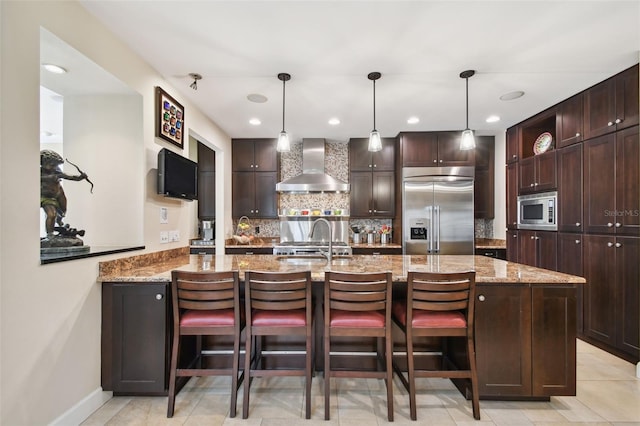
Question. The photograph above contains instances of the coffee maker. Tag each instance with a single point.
(207, 230)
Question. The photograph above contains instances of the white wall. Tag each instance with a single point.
(50, 314)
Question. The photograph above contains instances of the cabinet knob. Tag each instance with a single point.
(577, 223)
(159, 296)
(514, 156)
(577, 135)
(256, 211)
(535, 184)
(369, 165)
(441, 161)
(618, 224)
(515, 235)
(618, 245)
(257, 166)
(531, 185)
(375, 211)
(435, 161)
(609, 225)
(252, 166)
(610, 123)
(481, 298)
(532, 237)
(369, 211)
(609, 244)
(375, 165)
(537, 238)
(515, 223)
(577, 241)
(618, 120)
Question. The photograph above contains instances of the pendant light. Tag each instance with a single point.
(283, 138)
(375, 144)
(467, 141)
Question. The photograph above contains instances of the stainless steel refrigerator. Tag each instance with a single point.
(437, 213)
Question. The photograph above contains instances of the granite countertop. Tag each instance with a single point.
(269, 242)
(490, 243)
(488, 270)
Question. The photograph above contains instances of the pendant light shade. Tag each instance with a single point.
(283, 138)
(375, 143)
(467, 140)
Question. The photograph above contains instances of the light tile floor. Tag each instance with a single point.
(608, 393)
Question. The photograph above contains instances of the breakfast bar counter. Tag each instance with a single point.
(525, 317)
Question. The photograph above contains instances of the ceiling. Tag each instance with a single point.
(548, 49)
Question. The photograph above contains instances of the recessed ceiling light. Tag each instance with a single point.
(413, 120)
(56, 69)
(492, 119)
(255, 121)
(334, 121)
(512, 95)
(257, 98)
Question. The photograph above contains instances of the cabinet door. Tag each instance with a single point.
(419, 149)
(361, 194)
(527, 248)
(599, 109)
(449, 153)
(242, 155)
(627, 209)
(569, 121)
(627, 105)
(383, 193)
(243, 194)
(628, 270)
(385, 159)
(512, 195)
(503, 339)
(360, 159)
(483, 189)
(512, 145)
(527, 175)
(546, 247)
(139, 345)
(265, 155)
(599, 173)
(570, 189)
(553, 340)
(570, 262)
(266, 197)
(600, 292)
(206, 182)
(545, 171)
(512, 245)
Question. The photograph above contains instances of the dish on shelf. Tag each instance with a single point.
(542, 143)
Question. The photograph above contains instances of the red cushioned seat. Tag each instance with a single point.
(219, 318)
(295, 318)
(365, 319)
(430, 319)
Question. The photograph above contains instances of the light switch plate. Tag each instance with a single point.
(164, 215)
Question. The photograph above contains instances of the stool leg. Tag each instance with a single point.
(411, 373)
(175, 350)
(327, 375)
(389, 370)
(475, 398)
(308, 358)
(234, 375)
(247, 373)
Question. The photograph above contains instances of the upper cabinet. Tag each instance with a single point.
(483, 194)
(612, 105)
(433, 149)
(569, 121)
(206, 182)
(513, 144)
(362, 160)
(254, 155)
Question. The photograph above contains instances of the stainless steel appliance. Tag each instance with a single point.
(437, 210)
(297, 238)
(311, 248)
(538, 211)
(207, 230)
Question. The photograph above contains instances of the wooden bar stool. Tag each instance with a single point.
(205, 304)
(441, 305)
(358, 305)
(277, 304)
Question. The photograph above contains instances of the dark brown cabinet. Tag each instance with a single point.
(206, 182)
(525, 340)
(612, 105)
(513, 144)
(483, 192)
(611, 179)
(362, 160)
(569, 121)
(611, 297)
(254, 178)
(372, 179)
(512, 245)
(570, 189)
(135, 338)
(538, 173)
(434, 149)
(570, 261)
(538, 248)
(512, 195)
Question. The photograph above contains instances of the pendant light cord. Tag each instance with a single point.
(467, 81)
(283, 101)
(374, 105)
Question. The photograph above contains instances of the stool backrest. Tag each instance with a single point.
(277, 291)
(442, 291)
(358, 291)
(205, 290)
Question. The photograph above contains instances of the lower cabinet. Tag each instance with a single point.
(525, 340)
(135, 338)
(538, 248)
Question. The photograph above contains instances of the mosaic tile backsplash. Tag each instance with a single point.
(336, 165)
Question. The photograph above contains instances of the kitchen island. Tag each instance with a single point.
(525, 317)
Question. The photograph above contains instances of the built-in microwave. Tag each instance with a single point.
(538, 211)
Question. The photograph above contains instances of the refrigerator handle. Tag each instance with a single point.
(436, 228)
(430, 229)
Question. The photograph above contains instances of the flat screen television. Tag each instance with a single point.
(177, 175)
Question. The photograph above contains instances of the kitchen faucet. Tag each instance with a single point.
(329, 254)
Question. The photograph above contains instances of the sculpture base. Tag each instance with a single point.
(63, 251)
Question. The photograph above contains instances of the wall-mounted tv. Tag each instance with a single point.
(177, 175)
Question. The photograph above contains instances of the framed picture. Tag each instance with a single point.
(169, 118)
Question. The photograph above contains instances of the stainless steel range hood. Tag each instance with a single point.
(313, 177)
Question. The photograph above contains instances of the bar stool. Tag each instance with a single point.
(277, 304)
(205, 304)
(358, 305)
(441, 305)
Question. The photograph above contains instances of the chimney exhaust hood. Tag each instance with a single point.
(313, 177)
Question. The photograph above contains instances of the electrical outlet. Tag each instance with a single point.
(174, 235)
(257, 229)
(164, 237)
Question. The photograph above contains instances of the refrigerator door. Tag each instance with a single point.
(453, 224)
(418, 216)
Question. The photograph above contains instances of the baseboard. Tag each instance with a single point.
(84, 408)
